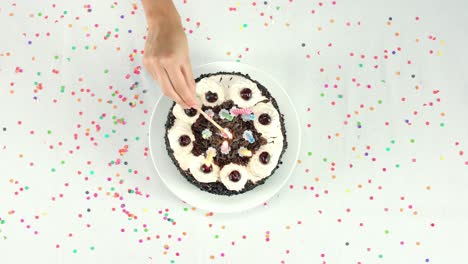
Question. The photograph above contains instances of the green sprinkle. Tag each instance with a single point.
(398, 165)
(62, 162)
(137, 138)
(442, 124)
(74, 251)
(387, 232)
(92, 248)
(245, 25)
(73, 47)
(360, 65)
(26, 188)
(146, 229)
(380, 256)
(62, 88)
(324, 159)
(392, 141)
(49, 132)
(38, 73)
(112, 189)
(340, 96)
(185, 209)
(91, 172)
(39, 14)
(309, 153)
(379, 101)
(2, 222)
(135, 230)
(56, 57)
(106, 71)
(86, 47)
(106, 135)
(65, 12)
(216, 236)
(387, 149)
(52, 170)
(412, 140)
(322, 94)
(277, 8)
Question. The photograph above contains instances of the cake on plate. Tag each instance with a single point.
(210, 159)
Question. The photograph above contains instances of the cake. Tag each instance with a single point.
(209, 159)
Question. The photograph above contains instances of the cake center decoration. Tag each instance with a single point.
(208, 163)
(243, 152)
(206, 133)
(225, 148)
(248, 135)
(224, 114)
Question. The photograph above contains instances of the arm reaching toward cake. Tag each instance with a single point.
(166, 52)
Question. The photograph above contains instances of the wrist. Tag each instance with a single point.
(161, 13)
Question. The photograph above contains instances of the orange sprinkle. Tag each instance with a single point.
(397, 34)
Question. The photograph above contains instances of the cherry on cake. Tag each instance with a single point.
(210, 160)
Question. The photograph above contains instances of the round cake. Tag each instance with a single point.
(212, 160)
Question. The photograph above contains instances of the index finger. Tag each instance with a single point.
(181, 86)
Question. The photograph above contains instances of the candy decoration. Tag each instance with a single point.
(243, 152)
(248, 135)
(248, 117)
(242, 111)
(210, 113)
(206, 133)
(224, 114)
(210, 153)
(225, 148)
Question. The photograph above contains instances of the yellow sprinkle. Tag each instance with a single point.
(442, 157)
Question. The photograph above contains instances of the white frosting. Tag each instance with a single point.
(233, 93)
(207, 85)
(199, 175)
(184, 159)
(230, 185)
(273, 129)
(179, 129)
(259, 170)
(179, 113)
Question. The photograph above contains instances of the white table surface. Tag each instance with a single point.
(383, 169)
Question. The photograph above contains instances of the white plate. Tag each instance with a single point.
(218, 203)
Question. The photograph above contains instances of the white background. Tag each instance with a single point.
(302, 227)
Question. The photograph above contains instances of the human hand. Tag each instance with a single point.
(166, 57)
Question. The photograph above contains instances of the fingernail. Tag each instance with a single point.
(194, 104)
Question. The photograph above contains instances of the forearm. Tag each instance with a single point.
(159, 12)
